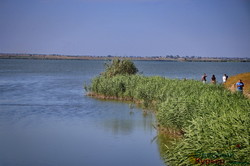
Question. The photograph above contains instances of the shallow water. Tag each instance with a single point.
(46, 119)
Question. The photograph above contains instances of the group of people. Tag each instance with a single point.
(239, 84)
(213, 78)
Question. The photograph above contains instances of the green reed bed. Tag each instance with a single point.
(215, 122)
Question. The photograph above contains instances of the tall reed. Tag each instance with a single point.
(213, 119)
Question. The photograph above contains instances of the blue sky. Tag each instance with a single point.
(207, 28)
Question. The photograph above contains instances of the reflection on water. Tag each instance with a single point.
(119, 126)
(46, 120)
(126, 124)
(53, 136)
(164, 142)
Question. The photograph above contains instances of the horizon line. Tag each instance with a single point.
(125, 56)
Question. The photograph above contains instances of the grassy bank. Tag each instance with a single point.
(215, 122)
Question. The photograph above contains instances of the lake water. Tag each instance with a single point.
(46, 119)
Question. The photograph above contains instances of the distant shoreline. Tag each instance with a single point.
(87, 57)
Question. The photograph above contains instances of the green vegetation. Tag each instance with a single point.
(212, 119)
(117, 66)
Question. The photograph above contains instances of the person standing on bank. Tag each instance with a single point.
(213, 79)
(204, 78)
(224, 78)
(239, 86)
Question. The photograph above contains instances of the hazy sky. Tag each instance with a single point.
(126, 27)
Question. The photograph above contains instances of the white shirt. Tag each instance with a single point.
(224, 78)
